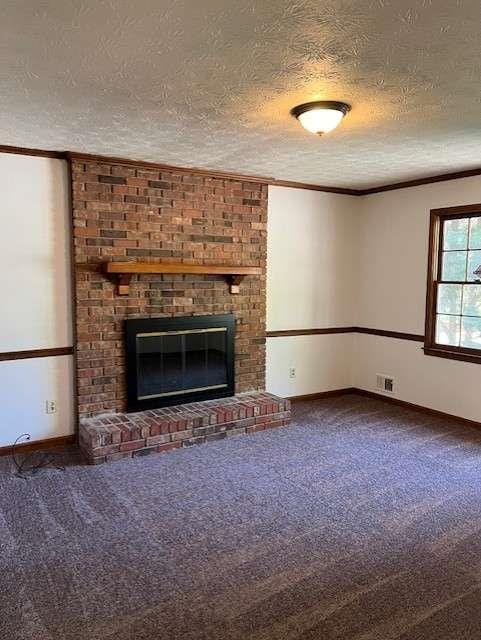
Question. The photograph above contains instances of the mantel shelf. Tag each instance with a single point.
(125, 270)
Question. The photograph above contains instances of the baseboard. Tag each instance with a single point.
(379, 396)
(323, 394)
(37, 445)
(416, 407)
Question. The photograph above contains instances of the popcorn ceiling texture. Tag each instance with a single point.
(135, 214)
(210, 84)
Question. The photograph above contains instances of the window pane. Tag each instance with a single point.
(448, 330)
(475, 233)
(449, 298)
(456, 234)
(454, 265)
(471, 333)
(474, 262)
(471, 300)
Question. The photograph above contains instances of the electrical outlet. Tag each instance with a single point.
(50, 406)
(292, 372)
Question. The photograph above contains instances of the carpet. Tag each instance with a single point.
(361, 520)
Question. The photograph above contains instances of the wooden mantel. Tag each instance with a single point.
(125, 270)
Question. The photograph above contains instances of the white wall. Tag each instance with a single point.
(393, 245)
(322, 363)
(311, 259)
(24, 387)
(348, 261)
(34, 253)
(445, 385)
(35, 281)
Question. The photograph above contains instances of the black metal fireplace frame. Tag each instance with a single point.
(144, 325)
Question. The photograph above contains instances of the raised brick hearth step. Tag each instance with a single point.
(115, 436)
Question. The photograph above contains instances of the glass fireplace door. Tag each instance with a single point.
(170, 361)
(177, 362)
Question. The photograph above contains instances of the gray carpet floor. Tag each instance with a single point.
(360, 521)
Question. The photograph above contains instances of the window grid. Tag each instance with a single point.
(457, 333)
(462, 283)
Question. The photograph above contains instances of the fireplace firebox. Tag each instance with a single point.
(172, 361)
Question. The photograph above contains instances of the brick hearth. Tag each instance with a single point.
(124, 435)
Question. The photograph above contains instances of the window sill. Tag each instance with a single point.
(453, 355)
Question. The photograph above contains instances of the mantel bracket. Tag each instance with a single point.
(123, 283)
(234, 282)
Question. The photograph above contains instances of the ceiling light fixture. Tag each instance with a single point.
(321, 116)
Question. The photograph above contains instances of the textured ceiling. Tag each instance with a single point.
(209, 83)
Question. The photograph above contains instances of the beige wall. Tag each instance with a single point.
(311, 258)
(341, 261)
(393, 246)
(35, 283)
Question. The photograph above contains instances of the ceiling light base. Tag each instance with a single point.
(320, 116)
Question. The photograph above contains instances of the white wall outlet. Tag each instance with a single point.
(50, 406)
(292, 372)
(385, 383)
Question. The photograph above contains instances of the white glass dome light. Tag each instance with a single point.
(321, 116)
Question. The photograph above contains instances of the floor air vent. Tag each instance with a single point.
(385, 383)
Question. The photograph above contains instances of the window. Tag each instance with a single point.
(453, 316)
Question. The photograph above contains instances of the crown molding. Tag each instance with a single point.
(443, 177)
(228, 175)
(25, 151)
(313, 187)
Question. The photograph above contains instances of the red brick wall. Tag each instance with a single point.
(139, 214)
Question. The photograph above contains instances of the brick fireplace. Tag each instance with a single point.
(138, 213)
